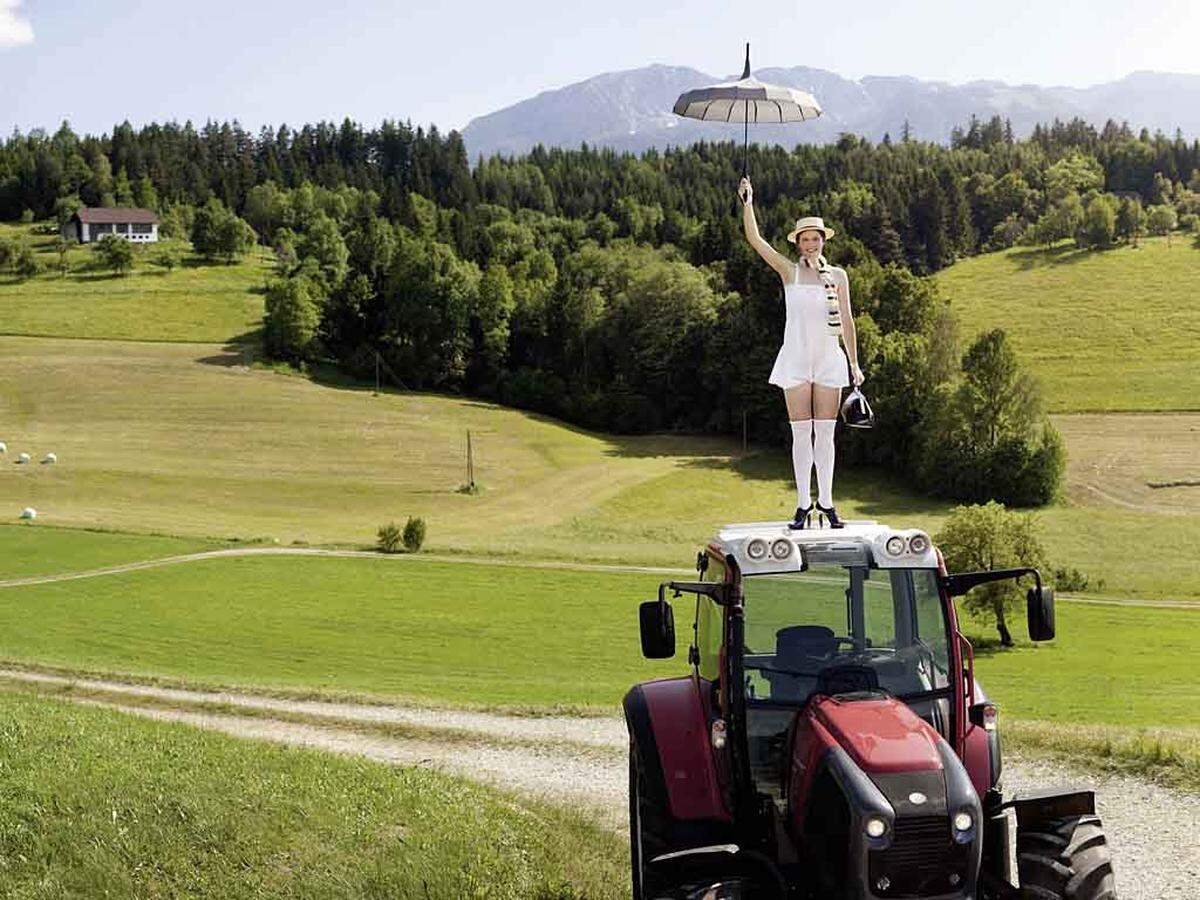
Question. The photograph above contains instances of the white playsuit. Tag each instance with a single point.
(809, 352)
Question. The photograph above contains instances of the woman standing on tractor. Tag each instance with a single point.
(811, 366)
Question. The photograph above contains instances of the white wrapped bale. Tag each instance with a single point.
(29, 513)
(23, 458)
(3, 447)
(50, 458)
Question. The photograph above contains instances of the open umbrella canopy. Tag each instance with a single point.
(747, 100)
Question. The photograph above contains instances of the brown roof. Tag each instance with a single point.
(104, 215)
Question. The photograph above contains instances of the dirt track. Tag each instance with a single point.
(581, 762)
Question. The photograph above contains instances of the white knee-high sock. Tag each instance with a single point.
(823, 456)
(802, 460)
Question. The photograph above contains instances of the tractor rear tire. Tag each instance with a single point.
(645, 887)
(1065, 859)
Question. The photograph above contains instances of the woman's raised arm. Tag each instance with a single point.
(773, 257)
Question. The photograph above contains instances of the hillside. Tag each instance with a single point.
(1114, 330)
(184, 439)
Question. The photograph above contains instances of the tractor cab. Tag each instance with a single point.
(831, 739)
(823, 616)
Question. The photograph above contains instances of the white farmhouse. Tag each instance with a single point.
(92, 223)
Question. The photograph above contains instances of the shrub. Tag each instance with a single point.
(25, 262)
(414, 534)
(1161, 219)
(27, 217)
(1074, 581)
(389, 538)
(115, 253)
(169, 257)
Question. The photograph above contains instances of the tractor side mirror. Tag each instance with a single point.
(1040, 608)
(657, 621)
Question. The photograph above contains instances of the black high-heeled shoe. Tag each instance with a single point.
(831, 516)
(800, 520)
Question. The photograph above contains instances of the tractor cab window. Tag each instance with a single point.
(835, 629)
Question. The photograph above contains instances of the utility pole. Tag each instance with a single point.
(376, 373)
(470, 464)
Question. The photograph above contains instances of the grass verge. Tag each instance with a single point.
(96, 803)
(1170, 758)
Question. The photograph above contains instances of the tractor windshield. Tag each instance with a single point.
(835, 628)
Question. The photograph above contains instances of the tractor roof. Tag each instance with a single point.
(771, 547)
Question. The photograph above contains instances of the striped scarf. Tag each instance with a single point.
(833, 309)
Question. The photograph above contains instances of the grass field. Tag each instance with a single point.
(1104, 330)
(514, 637)
(96, 803)
(183, 439)
(199, 301)
(26, 551)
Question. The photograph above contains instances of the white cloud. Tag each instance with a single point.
(15, 30)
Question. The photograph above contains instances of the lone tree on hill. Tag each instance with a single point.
(983, 538)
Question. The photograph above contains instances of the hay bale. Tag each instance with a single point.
(50, 459)
(3, 447)
(29, 513)
(23, 458)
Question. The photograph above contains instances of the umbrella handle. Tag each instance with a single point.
(746, 139)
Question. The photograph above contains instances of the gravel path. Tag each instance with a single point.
(1154, 832)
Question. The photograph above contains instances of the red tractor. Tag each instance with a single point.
(831, 740)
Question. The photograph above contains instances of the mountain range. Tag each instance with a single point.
(631, 110)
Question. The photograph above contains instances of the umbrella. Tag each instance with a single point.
(747, 100)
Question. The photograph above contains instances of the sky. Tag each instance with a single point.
(267, 62)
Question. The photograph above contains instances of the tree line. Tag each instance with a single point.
(616, 290)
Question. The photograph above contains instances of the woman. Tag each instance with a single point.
(811, 366)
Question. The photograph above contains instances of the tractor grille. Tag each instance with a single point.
(921, 861)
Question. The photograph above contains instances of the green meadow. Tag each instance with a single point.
(27, 552)
(513, 637)
(198, 301)
(182, 439)
(95, 803)
(1111, 330)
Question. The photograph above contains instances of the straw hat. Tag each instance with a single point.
(810, 223)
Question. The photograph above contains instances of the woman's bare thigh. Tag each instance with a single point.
(826, 401)
(799, 400)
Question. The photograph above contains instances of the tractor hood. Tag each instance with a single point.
(881, 734)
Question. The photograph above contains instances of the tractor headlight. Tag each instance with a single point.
(894, 545)
(918, 543)
(781, 548)
(963, 821)
(757, 549)
(875, 827)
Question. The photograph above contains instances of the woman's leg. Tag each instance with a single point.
(799, 408)
(825, 403)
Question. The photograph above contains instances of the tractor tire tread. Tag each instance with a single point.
(1065, 859)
